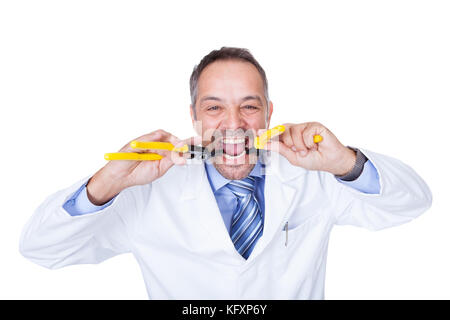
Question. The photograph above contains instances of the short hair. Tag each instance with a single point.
(225, 53)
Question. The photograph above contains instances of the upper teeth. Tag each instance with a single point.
(234, 140)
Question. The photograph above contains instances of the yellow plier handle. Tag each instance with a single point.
(155, 145)
(262, 140)
(132, 156)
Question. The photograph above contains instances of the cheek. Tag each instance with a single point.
(209, 120)
(258, 122)
(206, 127)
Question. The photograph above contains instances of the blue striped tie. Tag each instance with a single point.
(246, 224)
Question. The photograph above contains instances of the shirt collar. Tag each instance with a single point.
(217, 181)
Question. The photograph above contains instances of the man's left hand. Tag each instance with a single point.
(297, 145)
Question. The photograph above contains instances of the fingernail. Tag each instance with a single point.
(303, 153)
(293, 148)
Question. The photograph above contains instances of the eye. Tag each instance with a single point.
(213, 108)
(250, 107)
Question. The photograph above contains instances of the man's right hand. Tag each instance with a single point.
(117, 175)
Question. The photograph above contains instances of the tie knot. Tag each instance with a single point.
(241, 188)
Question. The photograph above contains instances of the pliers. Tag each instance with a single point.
(191, 151)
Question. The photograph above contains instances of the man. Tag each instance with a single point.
(237, 226)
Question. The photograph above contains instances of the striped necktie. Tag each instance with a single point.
(246, 224)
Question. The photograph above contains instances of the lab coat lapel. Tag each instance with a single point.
(206, 210)
(281, 185)
(282, 182)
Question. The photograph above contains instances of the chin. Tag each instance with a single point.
(235, 169)
(234, 172)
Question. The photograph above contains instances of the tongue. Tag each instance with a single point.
(233, 149)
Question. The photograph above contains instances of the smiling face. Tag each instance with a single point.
(231, 108)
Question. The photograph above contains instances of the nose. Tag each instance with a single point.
(233, 120)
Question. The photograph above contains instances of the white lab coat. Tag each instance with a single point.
(174, 229)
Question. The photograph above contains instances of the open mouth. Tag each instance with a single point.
(235, 147)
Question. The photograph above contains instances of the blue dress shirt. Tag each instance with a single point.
(79, 203)
(367, 182)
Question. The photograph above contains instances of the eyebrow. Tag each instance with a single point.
(210, 98)
(242, 100)
(252, 98)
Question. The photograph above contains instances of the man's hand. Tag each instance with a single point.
(297, 145)
(120, 174)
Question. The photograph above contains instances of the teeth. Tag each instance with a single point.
(227, 156)
(233, 140)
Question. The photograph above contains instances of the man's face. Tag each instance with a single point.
(231, 107)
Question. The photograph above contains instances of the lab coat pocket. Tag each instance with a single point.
(298, 253)
(292, 232)
(300, 246)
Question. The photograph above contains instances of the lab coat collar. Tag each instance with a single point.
(217, 181)
(270, 163)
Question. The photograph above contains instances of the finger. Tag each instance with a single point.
(160, 136)
(168, 137)
(282, 149)
(177, 159)
(297, 138)
(286, 137)
(153, 136)
(309, 133)
(180, 158)
(165, 164)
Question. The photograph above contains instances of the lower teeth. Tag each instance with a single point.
(227, 156)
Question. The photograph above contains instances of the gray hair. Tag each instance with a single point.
(225, 53)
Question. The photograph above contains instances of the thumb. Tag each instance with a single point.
(179, 158)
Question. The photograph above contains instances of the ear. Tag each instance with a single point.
(269, 114)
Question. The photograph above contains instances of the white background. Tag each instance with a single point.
(81, 78)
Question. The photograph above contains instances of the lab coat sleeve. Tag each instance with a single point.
(403, 195)
(53, 238)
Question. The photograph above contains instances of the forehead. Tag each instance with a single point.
(231, 79)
